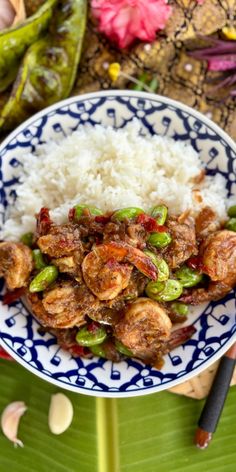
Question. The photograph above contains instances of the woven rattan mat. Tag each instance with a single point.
(199, 386)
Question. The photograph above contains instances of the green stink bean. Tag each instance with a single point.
(232, 211)
(80, 208)
(159, 212)
(9, 77)
(127, 213)
(14, 41)
(39, 262)
(164, 291)
(27, 239)
(88, 338)
(43, 279)
(231, 224)
(160, 263)
(49, 67)
(180, 308)
(122, 349)
(159, 239)
(188, 277)
(98, 350)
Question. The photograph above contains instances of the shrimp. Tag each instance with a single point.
(62, 240)
(107, 268)
(16, 263)
(144, 329)
(218, 252)
(65, 305)
(184, 242)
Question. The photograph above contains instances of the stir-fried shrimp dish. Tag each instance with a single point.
(115, 284)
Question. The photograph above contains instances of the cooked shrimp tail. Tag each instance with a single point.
(214, 291)
(180, 336)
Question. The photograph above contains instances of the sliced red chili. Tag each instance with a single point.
(102, 219)
(44, 221)
(71, 214)
(12, 296)
(196, 263)
(77, 350)
(5, 355)
(92, 327)
(150, 224)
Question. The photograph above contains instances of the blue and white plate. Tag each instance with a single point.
(215, 323)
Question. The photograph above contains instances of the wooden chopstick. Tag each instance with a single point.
(213, 407)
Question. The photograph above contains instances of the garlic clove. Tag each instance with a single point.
(19, 7)
(7, 14)
(60, 413)
(10, 421)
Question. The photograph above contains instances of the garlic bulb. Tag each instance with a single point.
(11, 12)
(60, 413)
(10, 421)
(7, 14)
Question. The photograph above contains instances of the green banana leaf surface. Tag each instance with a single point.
(153, 433)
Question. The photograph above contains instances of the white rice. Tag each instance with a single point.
(110, 169)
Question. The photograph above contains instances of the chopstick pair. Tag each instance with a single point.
(213, 407)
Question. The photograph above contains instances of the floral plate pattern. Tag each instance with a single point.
(215, 323)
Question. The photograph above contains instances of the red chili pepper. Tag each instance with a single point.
(102, 219)
(150, 224)
(71, 214)
(12, 296)
(44, 221)
(5, 355)
(77, 350)
(196, 263)
(92, 327)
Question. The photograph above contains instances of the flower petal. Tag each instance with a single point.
(125, 20)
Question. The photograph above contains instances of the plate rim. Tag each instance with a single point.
(119, 93)
(113, 394)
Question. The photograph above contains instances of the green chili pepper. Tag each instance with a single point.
(160, 263)
(231, 224)
(122, 349)
(48, 71)
(80, 208)
(39, 262)
(232, 211)
(27, 239)
(43, 279)
(14, 41)
(188, 277)
(127, 213)
(98, 350)
(180, 308)
(88, 338)
(159, 239)
(159, 212)
(164, 291)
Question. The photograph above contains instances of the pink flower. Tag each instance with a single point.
(124, 20)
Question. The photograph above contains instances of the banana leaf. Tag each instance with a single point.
(144, 434)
